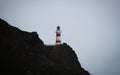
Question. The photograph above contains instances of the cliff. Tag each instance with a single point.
(23, 53)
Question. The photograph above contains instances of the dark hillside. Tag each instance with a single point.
(23, 53)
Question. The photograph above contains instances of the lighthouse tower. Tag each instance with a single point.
(58, 36)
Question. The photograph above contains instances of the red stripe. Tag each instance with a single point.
(58, 34)
(58, 41)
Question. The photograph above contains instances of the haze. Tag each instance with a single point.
(90, 27)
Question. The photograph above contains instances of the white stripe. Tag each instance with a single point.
(58, 31)
(58, 38)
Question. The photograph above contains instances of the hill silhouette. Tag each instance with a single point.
(24, 53)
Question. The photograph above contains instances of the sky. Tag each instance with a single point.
(90, 27)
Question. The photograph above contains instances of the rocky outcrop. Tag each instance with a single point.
(23, 53)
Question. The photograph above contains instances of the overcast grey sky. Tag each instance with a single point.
(90, 27)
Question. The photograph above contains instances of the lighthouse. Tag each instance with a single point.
(58, 36)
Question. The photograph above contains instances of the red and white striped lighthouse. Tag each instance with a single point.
(58, 35)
